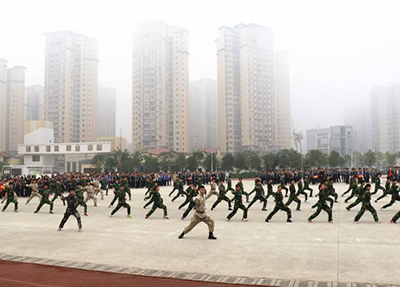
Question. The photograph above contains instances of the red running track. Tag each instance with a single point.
(17, 274)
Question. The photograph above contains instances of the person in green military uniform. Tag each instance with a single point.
(322, 196)
(293, 196)
(80, 196)
(331, 190)
(45, 192)
(352, 186)
(307, 185)
(57, 190)
(270, 189)
(176, 186)
(158, 203)
(150, 196)
(279, 206)
(229, 183)
(238, 204)
(300, 190)
(11, 197)
(188, 193)
(127, 188)
(354, 189)
(121, 194)
(181, 191)
(378, 185)
(366, 205)
(242, 189)
(116, 186)
(394, 191)
(283, 184)
(387, 189)
(395, 218)
(222, 196)
(192, 194)
(259, 190)
(359, 193)
(150, 185)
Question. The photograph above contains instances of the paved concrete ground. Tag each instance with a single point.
(339, 252)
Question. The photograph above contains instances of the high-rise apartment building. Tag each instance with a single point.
(15, 119)
(160, 98)
(3, 103)
(359, 118)
(385, 119)
(106, 112)
(34, 103)
(283, 127)
(71, 83)
(246, 114)
(202, 114)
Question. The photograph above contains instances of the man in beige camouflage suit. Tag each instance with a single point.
(90, 194)
(200, 214)
(96, 188)
(35, 193)
(213, 190)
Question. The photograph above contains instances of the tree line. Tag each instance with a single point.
(123, 161)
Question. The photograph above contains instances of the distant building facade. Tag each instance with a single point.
(335, 138)
(202, 114)
(71, 83)
(385, 119)
(106, 112)
(160, 97)
(117, 143)
(34, 103)
(360, 119)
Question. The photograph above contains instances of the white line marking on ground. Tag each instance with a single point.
(26, 282)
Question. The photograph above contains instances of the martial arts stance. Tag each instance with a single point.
(122, 202)
(200, 214)
(72, 204)
(322, 205)
(279, 206)
(238, 203)
(366, 205)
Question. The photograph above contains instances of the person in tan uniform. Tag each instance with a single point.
(200, 214)
(213, 190)
(96, 188)
(90, 194)
(35, 191)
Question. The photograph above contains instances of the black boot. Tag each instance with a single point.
(181, 235)
(211, 236)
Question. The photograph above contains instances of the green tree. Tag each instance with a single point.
(207, 162)
(179, 163)
(370, 158)
(391, 158)
(166, 160)
(240, 161)
(359, 159)
(270, 161)
(151, 164)
(99, 161)
(335, 160)
(228, 161)
(255, 161)
(316, 158)
(110, 164)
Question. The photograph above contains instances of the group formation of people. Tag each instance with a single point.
(81, 188)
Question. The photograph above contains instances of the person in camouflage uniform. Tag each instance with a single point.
(35, 193)
(81, 199)
(150, 196)
(72, 204)
(300, 190)
(181, 191)
(45, 192)
(242, 189)
(354, 190)
(386, 191)
(150, 185)
(352, 186)
(307, 185)
(127, 188)
(378, 185)
(116, 186)
(359, 193)
(366, 205)
(259, 190)
(279, 206)
(270, 189)
(293, 196)
(121, 194)
(322, 205)
(192, 195)
(394, 191)
(331, 190)
(11, 197)
(57, 190)
(229, 183)
(158, 203)
(176, 186)
(200, 215)
(238, 203)
(283, 184)
(222, 196)
(188, 193)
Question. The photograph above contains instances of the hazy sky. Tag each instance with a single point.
(338, 49)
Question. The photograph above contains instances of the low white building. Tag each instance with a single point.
(43, 156)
